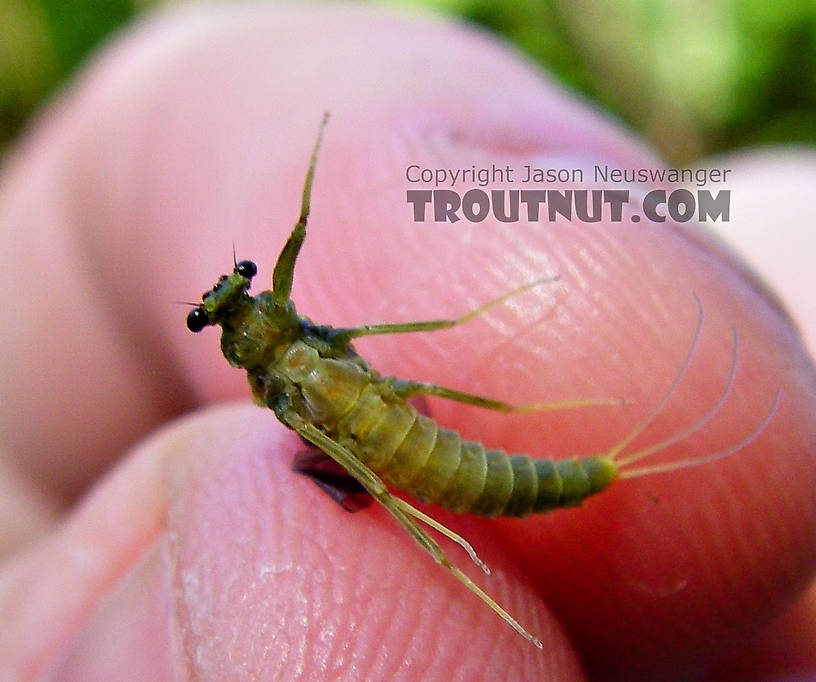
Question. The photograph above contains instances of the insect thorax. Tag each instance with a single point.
(257, 332)
(328, 386)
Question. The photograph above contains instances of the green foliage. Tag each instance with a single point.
(42, 42)
(77, 27)
(695, 78)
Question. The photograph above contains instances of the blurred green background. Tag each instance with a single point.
(696, 77)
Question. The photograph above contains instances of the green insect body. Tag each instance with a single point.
(318, 386)
(367, 414)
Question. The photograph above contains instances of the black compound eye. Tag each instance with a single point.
(246, 268)
(197, 319)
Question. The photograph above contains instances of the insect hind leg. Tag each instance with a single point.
(401, 511)
(444, 530)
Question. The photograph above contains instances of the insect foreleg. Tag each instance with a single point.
(407, 389)
(285, 265)
(343, 336)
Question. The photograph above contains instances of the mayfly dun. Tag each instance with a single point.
(317, 385)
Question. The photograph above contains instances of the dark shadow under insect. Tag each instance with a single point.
(331, 478)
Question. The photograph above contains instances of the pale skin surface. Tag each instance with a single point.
(202, 553)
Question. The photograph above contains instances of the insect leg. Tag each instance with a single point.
(371, 482)
(444, 530)
(407, 389)
(343, 336)
(367, 478)
(399, 510)
(285, 265)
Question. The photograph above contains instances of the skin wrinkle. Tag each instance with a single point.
(696, 234)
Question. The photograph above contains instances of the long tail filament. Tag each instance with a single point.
(624, 463)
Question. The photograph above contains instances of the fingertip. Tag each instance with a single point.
(273, 574)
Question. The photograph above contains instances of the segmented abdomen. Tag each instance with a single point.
(434, 464)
